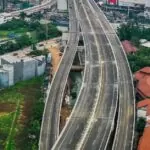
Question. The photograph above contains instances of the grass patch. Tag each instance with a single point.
(5, 33)
(23, 96)
(5, 125)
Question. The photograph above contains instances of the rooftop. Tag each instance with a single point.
(128, 46)
(10, 59)
(143, 78)
(143, 103)
(145, 140)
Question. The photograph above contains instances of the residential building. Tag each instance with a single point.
(62, 5)
(144, 143)
(6, 76)
(143, 108)
(17, 68)
(143, 82)
(129, 47)
(3, 4)
(40, 65)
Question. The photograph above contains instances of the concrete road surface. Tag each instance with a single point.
(51, 116)
(125, 125)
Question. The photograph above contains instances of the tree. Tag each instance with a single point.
(140, 125)
(23, 41)
(22, 15)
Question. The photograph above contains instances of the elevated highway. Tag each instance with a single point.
(97, 101)
(107, 78)
(51, 115)
(44, 5)
(126, 114)
(102, 121)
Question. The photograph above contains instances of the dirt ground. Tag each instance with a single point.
(7, 107)
(54, 49)
(65, 113)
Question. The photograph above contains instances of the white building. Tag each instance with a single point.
(40, 65)
(29, 68)
(17, 63)
(131, 3)
(4, 17)
(6, 76)
(62, 5)
(147, 3)
(15, 68)
(10, 69)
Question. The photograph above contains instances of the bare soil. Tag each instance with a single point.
(7, 107)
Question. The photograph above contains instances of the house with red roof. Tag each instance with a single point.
(143, 82)
(128, 47)
(144, 143)
(143, 110)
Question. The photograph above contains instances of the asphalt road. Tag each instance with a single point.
(44, 5)
(88, 94)
(103, 120)
(51, 115)
(99, 89)
(125, 125)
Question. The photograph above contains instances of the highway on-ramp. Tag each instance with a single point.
(99, 90)
(30, 10)
(51, 115)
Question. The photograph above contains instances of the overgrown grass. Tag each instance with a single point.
(10, 124)
(5, 33)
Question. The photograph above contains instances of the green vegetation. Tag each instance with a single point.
(134, 33)
(140, 59)
(39, 52)
(140, 125)
(17, 31)
(21, 108)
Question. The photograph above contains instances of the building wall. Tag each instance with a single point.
(62, 5)
(147, 3)
(40, 65)
(18, 66)
(4, 79)
(10, 70)
(13, 71)
(3, 4)
(29, 69)
(131, 3)
(40, 68)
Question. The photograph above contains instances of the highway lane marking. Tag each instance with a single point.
(49, 124)
(114, 54)
(91, 120)
(75, 105)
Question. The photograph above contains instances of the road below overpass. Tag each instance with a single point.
(51, 115)
(126, 119)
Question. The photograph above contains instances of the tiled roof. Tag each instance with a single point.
(144, 86)
(143, 103)
(128, 47)
(144, 143)
(148, 111)
(143, 77)
(145, 70)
